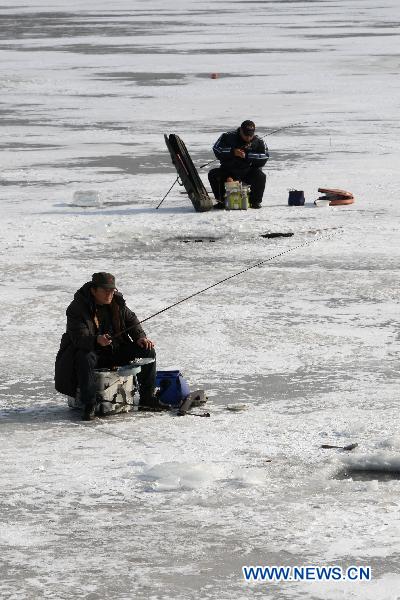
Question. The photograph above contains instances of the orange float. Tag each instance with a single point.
(341, 201)
(336, 197)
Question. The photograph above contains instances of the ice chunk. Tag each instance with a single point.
(385, 462)
(86, 198)
(175, 475)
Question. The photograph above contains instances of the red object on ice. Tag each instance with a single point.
(214, 75)
(336, 197)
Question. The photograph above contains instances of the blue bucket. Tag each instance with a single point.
(172, 388)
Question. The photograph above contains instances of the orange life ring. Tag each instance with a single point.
(335, 193)
(341, 201)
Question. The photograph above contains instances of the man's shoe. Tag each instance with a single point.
(219, 206)
(151, 403)
(255, 205)
(88, 413)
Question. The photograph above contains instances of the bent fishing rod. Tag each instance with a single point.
(259, 264)
(261, 138)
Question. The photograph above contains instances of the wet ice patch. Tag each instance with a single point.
(24, 536)
(188, 240)
(381, 466)
(380, 461)
(249, 477)
(171, 476)
(237, 407)
(377, 589)
(392, 443)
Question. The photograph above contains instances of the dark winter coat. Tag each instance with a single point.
(256, 153)
(82, 331)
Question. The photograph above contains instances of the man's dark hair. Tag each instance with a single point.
(248, 127)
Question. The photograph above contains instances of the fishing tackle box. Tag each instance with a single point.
(236, 195)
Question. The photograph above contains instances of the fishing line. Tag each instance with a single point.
(282, 128)
(259, 264)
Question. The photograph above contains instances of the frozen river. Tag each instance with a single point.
(158, 507)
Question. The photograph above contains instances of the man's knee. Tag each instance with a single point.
(86, 359)
(259, 176)
(149, 353)
(214, 175)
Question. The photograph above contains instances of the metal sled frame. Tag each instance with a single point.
(187, 173)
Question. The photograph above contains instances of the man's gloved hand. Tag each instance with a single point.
(104, 340)
(239, 153)
(145, 343)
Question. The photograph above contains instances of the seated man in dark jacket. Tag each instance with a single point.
(242, 154)
(101, 332)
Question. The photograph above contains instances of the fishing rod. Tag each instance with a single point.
(261, 138)
(262, 262)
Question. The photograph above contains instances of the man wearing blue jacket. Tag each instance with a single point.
(241, 154)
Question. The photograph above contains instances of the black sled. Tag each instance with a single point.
(187, 173)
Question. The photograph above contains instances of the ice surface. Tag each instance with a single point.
(151, 506)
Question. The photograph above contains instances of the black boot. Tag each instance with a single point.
(151, 402)
(88, 413)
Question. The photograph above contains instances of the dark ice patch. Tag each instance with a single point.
(189, 240)
(367, 475)
(158, 78)
(222, 75)
(43, 25)
(144, 79)
(94, 48)
(132, 165)
(20, 183)
(21, 146)
(281, 160)
(350, 34)
(276, 234)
